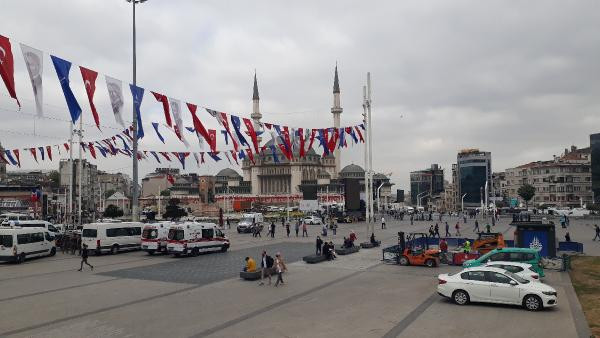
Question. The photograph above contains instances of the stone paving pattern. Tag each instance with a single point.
(210, 267)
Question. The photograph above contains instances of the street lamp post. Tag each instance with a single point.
(134, 191)
(462, 204)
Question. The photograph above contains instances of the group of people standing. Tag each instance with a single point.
(268, 266)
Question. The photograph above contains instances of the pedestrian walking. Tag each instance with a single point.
(334, 228)
(266, 264)
(436, 230)
(567, 237)
(84, 258)
(476, 228)
(383, 223)
(493, 221)
(324, 230)
(228, 223)
(319, 244)
(272, 229)
(297, 227)
(411, 219)
(280, 268)
(431, 232)
(287, 229)
(447, 230)
(597, 228)
(304, 230)
(487, 228)
(457, 228)
(465, 219)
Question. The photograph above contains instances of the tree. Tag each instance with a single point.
(54, 178)
(526, 191)
(173, 210)
(113, 211)
(165, 193)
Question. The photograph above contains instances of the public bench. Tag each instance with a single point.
(347, 251)
(312, 259)
(254, 275)
(368, 245)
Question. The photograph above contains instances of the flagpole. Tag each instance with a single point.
(366, 122)
(71, 177)
(369, 132)
(80, 169)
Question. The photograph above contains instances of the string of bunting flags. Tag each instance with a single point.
(245, 143)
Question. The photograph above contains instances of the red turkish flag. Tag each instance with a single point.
(92, 150)
(89, 79)
(34, 154)
(49, 152)
(250, 155)
(165, 155)
(7, 70)
(170, 178)
(165, 103)
(313, 133)
(301, 135)
(212, 135)
(197, 123)
(251, 132)
(333, 140)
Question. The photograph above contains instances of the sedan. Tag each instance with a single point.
(312, 220)
(495, 285)
(523, 270)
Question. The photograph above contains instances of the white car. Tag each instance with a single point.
(312, 220)
(523, 270)
(494, 285)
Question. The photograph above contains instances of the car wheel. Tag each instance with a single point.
(195, 252)
(224, 248)
(532, 303)
(239, 232)
(177, 255)
(114, 249)
(20, 258)
(460, 297)
(404, 261)
(150, 252)
(52, 252)
(430, 263)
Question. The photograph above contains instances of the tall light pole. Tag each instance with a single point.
(134, 190)
(462, 204)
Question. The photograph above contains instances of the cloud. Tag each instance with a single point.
(519, 79)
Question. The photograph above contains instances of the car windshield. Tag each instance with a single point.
(176, 234)
(247, 220)
(150, 233)
(516, 277)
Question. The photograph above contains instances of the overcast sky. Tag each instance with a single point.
(518, 78)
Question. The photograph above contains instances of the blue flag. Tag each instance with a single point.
(214, 156)
(342, 140)
(224, 132)
(274, 151)
(124, 142)
(10, 158)
(321, 138)
(181, 158)
(62, 68)
(138, 95)
(190, 129)
(155, 156)
(160, 137)
(102, 151)
(235, 120)
(41, 152)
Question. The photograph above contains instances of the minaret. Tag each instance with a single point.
(336, 110)
(256, 115)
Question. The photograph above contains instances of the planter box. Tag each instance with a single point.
(312, 259)
(368, 245)
(347, 251)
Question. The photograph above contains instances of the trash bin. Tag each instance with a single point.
(536, 235)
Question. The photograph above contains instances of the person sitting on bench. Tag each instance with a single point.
(250, 265)
(347, 243)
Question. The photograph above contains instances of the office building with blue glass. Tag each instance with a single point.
(474, 169)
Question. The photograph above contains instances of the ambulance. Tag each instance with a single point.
(154, 237)
(192, 238)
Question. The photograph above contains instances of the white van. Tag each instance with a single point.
(154, 237)
(112, 237)
(34, 224)
(17, 244)
(245, 224)
(9, 216)
(191, 238)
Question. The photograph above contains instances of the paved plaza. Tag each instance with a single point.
(136, 295)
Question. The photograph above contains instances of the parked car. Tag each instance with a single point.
(19, 243)
(522, 255)
(313, 220)
(524, 270)
(494, 285)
